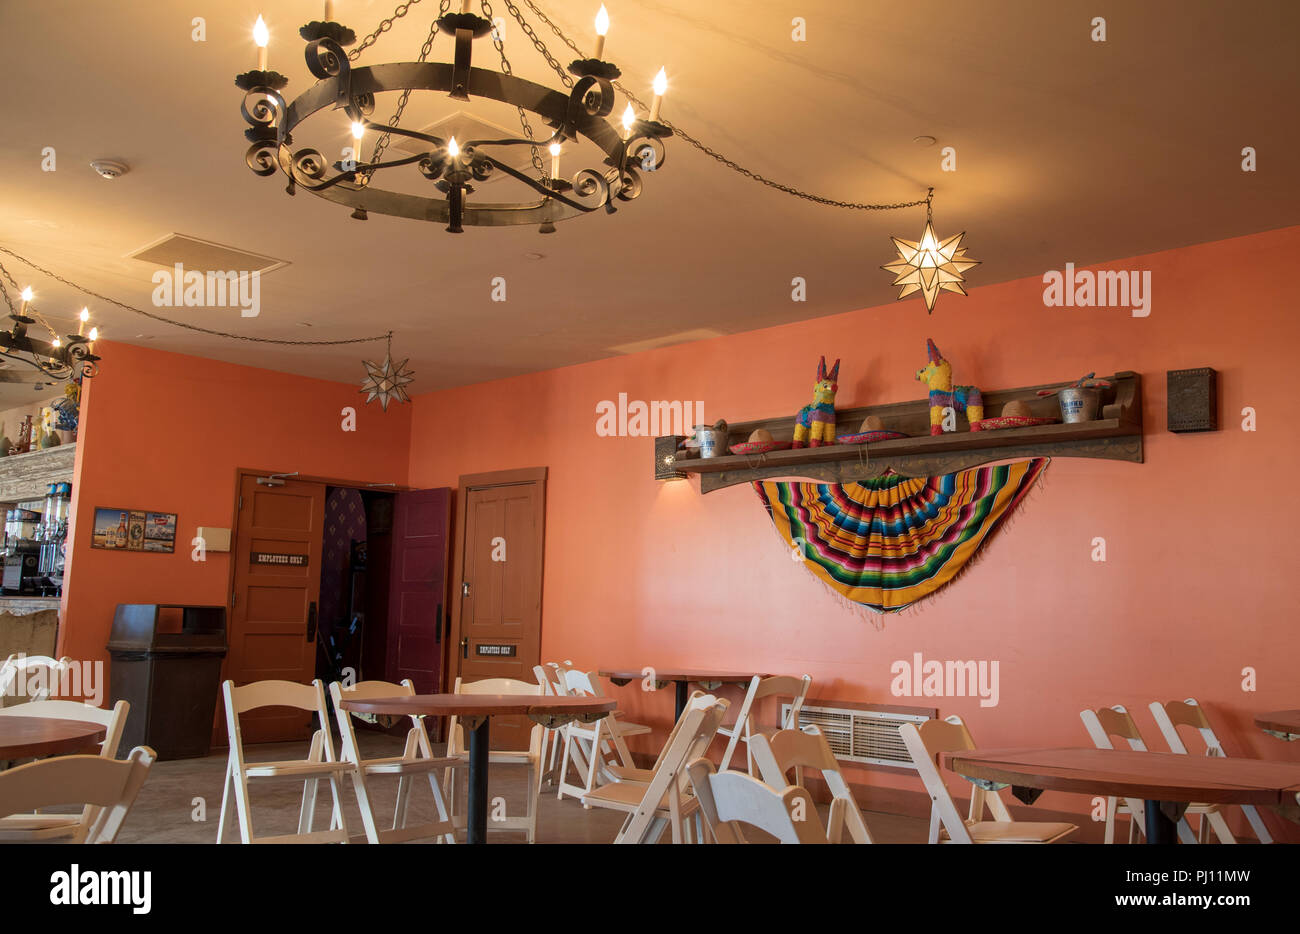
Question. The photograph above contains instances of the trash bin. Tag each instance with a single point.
(166, 663)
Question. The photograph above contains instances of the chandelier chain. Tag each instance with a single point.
(180, 324)
(538, 165)
(381, 144)
(384, 26)
(539, 44)
(719, 157)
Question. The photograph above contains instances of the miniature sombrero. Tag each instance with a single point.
(871, 431)
(760, 442)
(1014, 415)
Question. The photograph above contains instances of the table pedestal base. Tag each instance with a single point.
(476, 827)
(1160, 829)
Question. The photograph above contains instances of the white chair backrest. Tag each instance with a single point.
(924, 743)
(277, 694)
(1171, 715)
(27, 678)
(92, 781)
(456, 735)
(731, 798)
(784, 750)
(688, 741)
(417, 738)
(1104, 723)
(112, 720)
(582, 683)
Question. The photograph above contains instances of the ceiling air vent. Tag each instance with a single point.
(203, 256)
(866, 736)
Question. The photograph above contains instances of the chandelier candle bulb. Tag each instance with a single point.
(629, 118)
(660, 86)
(27, 297)
(262, 36)
(82, 319)
(602, 27)
(555, 160)
(453, 149)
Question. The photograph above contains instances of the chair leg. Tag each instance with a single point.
(1256, 823)
(443, 813)
(403, 801)
(337, 789)
(243, 808)
(1220, 826)
(225, 796)
(1111, 804)
(564, 767)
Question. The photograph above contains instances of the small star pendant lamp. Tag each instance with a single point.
(386, 381)
(930, 265)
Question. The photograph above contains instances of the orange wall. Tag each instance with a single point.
(166, 432)
(1196, 587)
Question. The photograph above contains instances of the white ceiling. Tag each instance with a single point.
(1068, 150)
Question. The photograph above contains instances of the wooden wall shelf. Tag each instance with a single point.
(1115, 435)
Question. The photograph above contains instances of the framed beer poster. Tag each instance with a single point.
(119, 529)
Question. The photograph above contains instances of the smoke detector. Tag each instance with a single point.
(109, 168)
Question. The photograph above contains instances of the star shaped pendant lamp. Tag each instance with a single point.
(385, 381)
(930, 265)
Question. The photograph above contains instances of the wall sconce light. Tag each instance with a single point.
(666, 458)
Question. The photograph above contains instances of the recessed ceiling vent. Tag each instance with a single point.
(466, 127)
(203, 256)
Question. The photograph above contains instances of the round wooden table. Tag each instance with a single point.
(1284, 724)
(709, 678)
(1163, 779)
(474, 712)
(23, 737)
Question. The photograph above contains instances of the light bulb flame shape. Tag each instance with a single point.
(602, 21)
(453, 148)
(661, 82)
(629, 117)
(261, 35)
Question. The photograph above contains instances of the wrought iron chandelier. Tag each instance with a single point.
(452, 167)
(60, 358)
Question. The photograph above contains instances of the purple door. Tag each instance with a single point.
(417, 594)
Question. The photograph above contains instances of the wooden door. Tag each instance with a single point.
(418, 588)
(276, 593)
(499, 625)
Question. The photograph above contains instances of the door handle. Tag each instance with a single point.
(311, 621)
(464, 647)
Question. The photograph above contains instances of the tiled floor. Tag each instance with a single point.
(181, 802)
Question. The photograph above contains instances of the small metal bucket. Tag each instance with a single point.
(1079, 405)
(713, 442)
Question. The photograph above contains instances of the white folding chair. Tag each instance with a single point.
(729, 799)
(416, 759)
(113, 722)
(664, 798)
(27, 678)
(759, 688)
(104, 787)
(1106, 723)
(1169, 717)
(784, 750)
(591, 746)
(531, 757)
(319, 764)
(923, 744)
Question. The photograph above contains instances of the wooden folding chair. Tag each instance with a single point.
(729, 799)
(113, 722)
(1169, 717)
(759, 688)
(319, 764)
(531, 757)
(19, 673)
(664, 799)
(1106, 723)
(103, 787)
(551, 677)
(591, 747)
(924, 743)
(784, 750)
(416, 759)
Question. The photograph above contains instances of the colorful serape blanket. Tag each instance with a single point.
(889, 542)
